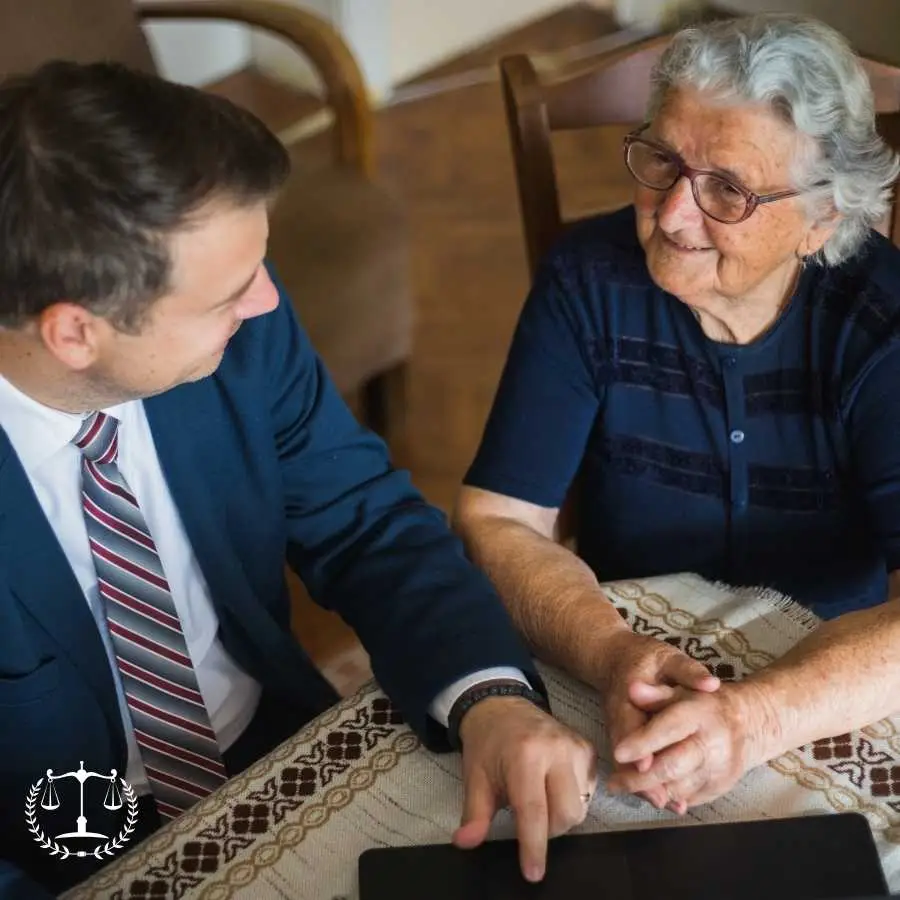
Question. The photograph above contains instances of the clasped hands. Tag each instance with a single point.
(679, 736)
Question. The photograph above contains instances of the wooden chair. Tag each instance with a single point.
(612, 90)
(338, 241)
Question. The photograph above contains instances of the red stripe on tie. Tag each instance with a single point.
(128, 566)
(168, 810)
(96, 425)
(178, 721)
(118, 525)
(163, 684)
(111, 451)
(109, 486)
(121, 631)
(139, 606)
(213, 766)
(178, 783)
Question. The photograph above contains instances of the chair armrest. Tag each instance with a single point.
(344, 84)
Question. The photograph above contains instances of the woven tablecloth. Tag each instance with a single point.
(294, 824)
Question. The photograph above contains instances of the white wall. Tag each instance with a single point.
(640, 12)
(196, 53)
(279, 58)
(424, 33)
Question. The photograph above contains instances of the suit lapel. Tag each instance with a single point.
(187, 434)
(39, 575)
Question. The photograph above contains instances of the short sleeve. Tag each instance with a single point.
(546, 401)
(873, 424)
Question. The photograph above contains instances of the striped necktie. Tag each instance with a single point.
(171, 724)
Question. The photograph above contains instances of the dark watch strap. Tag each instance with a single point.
(479, 692)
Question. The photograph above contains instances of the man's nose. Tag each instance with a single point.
(261, 298)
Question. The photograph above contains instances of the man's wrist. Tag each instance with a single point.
(605, 654)
(488, 710)
(475, 696)
(440, 707)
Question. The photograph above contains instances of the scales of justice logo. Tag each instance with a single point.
(87, 843)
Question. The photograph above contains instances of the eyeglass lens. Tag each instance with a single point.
(657, 169)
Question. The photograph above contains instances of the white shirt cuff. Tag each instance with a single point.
(443, 703)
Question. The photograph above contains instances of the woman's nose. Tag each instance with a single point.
(678, 208)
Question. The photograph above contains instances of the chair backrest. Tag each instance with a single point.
(612, 89)
(81, 30)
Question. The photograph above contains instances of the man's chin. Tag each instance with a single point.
(210, 368)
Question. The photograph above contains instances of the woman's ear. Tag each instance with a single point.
(70, 333)
(818, 233)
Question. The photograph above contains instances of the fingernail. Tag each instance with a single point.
(534, 873)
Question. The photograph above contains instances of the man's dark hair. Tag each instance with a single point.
(98, 165)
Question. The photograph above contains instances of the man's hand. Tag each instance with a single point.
(514, 754)
(629, 662)
(701, 743)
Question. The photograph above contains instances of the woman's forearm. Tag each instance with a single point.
(553, 597)
(844, 676)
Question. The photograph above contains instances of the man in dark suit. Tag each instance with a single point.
(169, 438)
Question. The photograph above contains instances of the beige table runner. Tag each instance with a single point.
(295, 823)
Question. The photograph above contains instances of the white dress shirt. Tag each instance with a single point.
(42, 439)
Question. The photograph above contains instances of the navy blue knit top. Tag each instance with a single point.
(774, 463)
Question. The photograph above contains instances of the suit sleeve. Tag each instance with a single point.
(16, 885)
(368, 546)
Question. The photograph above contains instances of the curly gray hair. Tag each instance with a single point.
(809, 76)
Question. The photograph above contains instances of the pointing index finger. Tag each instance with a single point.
(528, 799)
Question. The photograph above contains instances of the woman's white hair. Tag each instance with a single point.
(807, 74)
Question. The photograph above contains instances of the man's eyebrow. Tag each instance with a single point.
(241, 290)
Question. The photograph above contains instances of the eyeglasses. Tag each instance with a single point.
(659, 168)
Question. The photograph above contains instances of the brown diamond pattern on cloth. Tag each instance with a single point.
(148, 890)
(296, 782)
(342, 745)
(250, 818)
(383, 713)
(886, 781)
(200, 856)
(838, 747)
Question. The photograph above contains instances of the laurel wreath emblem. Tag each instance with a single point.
(99, 851)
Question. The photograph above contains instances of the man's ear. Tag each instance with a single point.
(71, 333)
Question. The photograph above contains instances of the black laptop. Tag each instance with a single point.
(819, 857)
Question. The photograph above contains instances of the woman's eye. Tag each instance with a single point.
(727, 191)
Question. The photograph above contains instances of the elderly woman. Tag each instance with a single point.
(720, 363)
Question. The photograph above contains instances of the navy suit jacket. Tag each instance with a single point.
(265, 464)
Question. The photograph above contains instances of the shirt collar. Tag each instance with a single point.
(38, 432)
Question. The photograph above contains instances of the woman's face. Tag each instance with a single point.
(702, 261)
